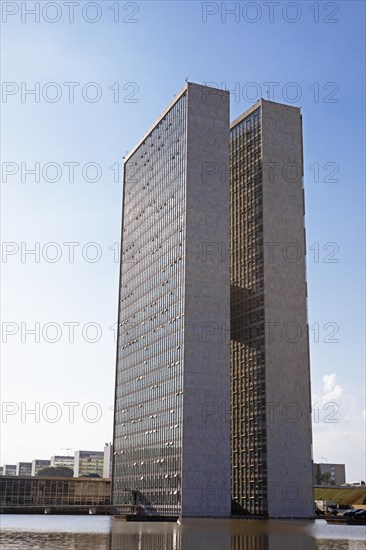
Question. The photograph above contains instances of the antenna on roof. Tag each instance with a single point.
(67, 449)
(186, 78)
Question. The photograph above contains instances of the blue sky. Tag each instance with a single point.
(318, 57)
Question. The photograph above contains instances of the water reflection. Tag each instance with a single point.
(213, 535)
(67, 533)
(54, 541)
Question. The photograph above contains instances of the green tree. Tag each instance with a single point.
(57, 471)
(326, 479)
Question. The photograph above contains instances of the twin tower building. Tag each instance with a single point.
(212, 399)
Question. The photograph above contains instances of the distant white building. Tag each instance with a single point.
(107, 461)
(23, 469)
(88, 462)
(9, 470)
(61, 460)
(38, 464)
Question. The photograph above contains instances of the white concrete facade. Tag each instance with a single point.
(107, 460)
(206, 439)
(289, 435)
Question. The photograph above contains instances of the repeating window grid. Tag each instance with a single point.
(150, 344)
(247, 317)
(54, 492)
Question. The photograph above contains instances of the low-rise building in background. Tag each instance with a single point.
(88, 462)
(52, 493)
(9, 470)
(62, 460)
(329, 474)
(38, 464)
(24, 469)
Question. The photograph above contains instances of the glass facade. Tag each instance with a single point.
(10, 470)
(248, 403)
(24, 469)
(40, 491)
(149, 379)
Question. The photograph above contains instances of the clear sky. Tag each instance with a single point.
(102, 73)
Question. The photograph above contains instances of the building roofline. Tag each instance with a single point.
(59, 478)
(246, 113)
(158, 120)
(177, 96)
(166, 110)
(256, 105)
